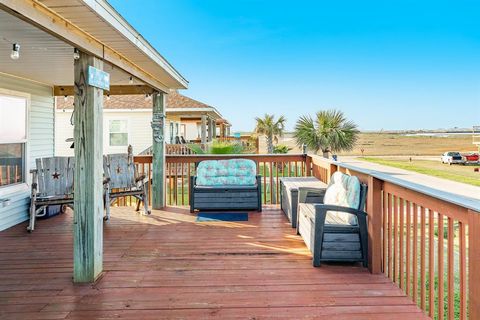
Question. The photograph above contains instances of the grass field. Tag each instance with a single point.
(394, 144)
(400, 145)
(457, 173)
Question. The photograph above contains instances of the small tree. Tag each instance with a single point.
(329, 132)
(270, 128)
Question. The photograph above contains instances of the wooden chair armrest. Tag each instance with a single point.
(304, 191)
(140, 178)
(330, 207)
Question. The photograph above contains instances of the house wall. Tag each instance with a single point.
(138, 124)
(40, 143)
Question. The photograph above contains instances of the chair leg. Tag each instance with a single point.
(317, 229)
(138, 204)
(31, 224)
(107, 205)
(145, 201)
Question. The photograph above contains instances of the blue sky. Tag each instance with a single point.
(386, 64)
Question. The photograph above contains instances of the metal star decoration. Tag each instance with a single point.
(56, 175)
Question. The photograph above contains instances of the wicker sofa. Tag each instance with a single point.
(226, 185)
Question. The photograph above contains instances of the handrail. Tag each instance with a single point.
(473, 204)
(420, 235)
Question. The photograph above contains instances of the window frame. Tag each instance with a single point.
(125, 119)
(20, 186)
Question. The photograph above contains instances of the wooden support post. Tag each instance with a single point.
(203, 133)
(158, 148)
(374, 210)
(308, 165)
(88, 203)
(211, 128)
(333, 168)
(474, 264)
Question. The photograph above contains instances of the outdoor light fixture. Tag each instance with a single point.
(147, 96)
(65, 98)
(76, 54)
(130, 80)
(15, 51)
(108, 96)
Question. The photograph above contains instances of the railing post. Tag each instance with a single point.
(474, 264)
(374, 210)
(333, 168)
(308, 165)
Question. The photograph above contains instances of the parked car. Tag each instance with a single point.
(452, 157)
(472, 158)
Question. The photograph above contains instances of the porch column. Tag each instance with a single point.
(158, 148)
(88, 202)
(204, 129)
(210, 130)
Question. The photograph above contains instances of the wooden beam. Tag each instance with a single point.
(88, 203)
(158, 148)
(116, 90)
(211, 129)
(51, 22)
(203, 134)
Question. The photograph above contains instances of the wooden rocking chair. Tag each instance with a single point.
(121, 173)
(52, 184)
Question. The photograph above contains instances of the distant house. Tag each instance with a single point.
(127, 121)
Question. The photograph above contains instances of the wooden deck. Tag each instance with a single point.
(166, 266)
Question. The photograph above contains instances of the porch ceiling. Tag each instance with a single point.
(43, 57)
(48, 30)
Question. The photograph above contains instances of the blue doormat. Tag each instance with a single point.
(221, 216)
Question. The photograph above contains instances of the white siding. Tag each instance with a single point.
(40, 144)
(139, 131)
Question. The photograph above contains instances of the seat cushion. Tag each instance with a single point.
(238, 172)
(343, 190)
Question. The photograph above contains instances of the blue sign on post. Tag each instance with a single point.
(98, 78)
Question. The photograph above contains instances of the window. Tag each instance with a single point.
(13, 137)
(118, 131)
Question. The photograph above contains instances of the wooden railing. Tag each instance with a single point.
(172, 149)
(179, 169)
(178, 149)
(426, 242)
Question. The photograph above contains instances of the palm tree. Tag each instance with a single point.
(329, 132)
(271, 128)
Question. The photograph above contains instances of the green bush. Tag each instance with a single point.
(281, 148)
(218, 147)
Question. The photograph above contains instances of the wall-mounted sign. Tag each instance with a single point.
(158, 121)
(98, 78)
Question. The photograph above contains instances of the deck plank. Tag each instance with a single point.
(167, 266)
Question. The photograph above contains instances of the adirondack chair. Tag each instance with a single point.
(121, 173)
(336, 228)
(52, 184)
